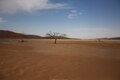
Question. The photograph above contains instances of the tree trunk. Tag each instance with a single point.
(55, 40)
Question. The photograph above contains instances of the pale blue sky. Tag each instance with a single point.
(76, 18)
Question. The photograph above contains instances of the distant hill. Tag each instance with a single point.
(114, 38)
(4, 34)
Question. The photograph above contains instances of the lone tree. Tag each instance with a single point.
(55, 35)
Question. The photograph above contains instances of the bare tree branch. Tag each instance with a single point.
(55, 35)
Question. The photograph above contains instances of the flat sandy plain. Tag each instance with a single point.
(66, 60)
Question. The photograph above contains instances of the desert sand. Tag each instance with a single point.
(66, 60)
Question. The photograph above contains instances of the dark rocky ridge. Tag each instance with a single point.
(5, 34)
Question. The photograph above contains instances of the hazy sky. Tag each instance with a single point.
(76, 18)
